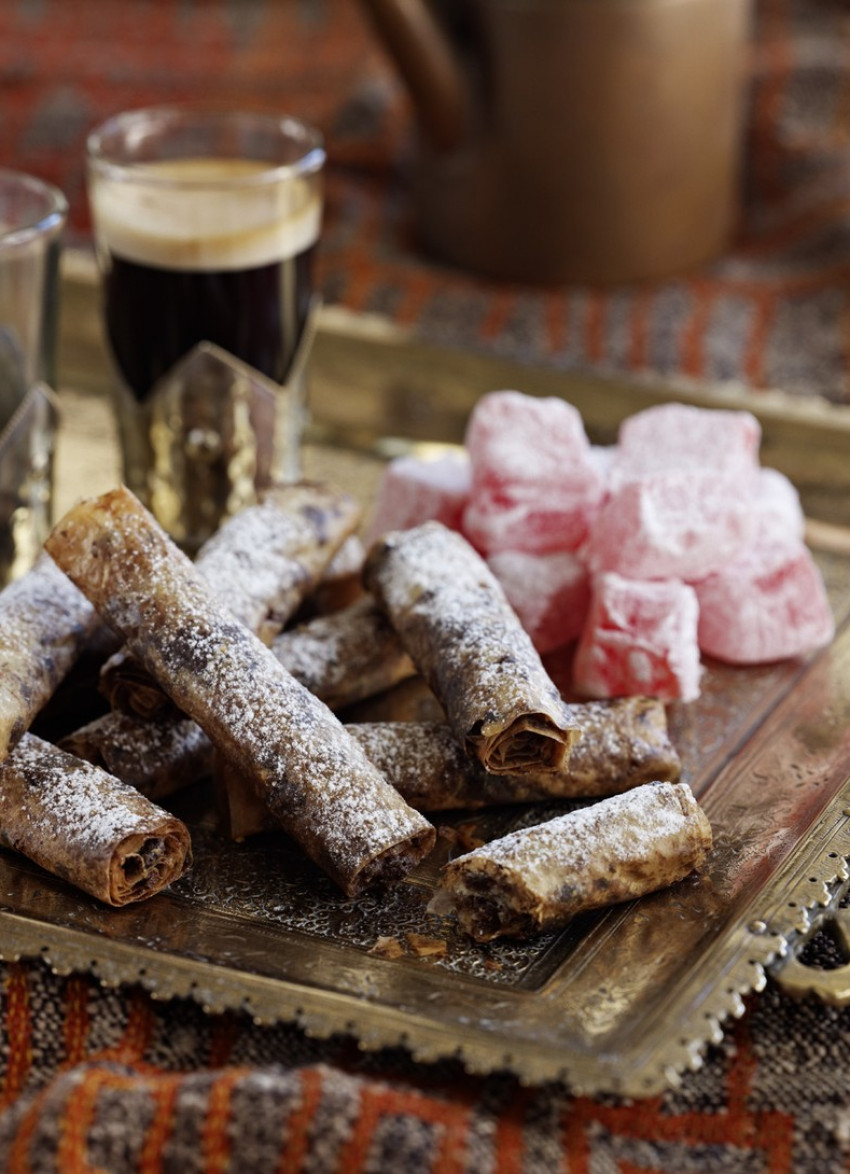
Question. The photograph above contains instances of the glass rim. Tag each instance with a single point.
(100, 159)
(49, 221)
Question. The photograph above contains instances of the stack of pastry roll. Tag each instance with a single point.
(313, 777)
(453, 618)
(93, 822)
(436, 591)
(72, 818)
(217, 678)
(262, 564)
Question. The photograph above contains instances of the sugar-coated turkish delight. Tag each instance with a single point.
(766, 604)
(416, 489)
(513, 438)
(522, 518)
(549, 592)
(686, 437)
(640, 638)
(672, 524)
(776, 506)
(535, 485)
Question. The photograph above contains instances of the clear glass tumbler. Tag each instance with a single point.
(32, 218)
(206, 226)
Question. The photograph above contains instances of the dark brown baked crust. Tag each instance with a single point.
(83, 825)
(311, 774)
(540, 877)
(261, 564)
(452, 616)
(44, 624)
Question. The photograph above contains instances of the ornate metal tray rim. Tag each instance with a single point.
(772, 925)
(736, 964)
(733, 965)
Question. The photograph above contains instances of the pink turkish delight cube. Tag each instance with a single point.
(766, 604)
(777, 509)
(417, 489)
(549, 592)
(676, 524)
(514, 438)
(528, 520)
(535, 485)
(640, 638)
(682, 436)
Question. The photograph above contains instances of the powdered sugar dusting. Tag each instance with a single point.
(455, 621)
(346, 655)
(649, 820)
(41, 605)
(312, 775)
(44, 621)
(93, 809)
(156, 757)
(268, 556)
(423, 760)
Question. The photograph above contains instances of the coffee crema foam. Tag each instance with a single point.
(211, 223)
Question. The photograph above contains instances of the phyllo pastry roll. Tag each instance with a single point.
(156, 757)
(624, 744)
(617, 751)
(44, 625)
(345, 656)
(266, 560)
(452, 616)
(308, 771)
(261, 564)
(342, 582)
(540, 877)
(81, 824)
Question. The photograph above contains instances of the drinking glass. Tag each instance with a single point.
(206, 226)
(32, 217)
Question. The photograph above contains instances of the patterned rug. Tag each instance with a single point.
(112, 1081)
(104, 1081)
(772, 313)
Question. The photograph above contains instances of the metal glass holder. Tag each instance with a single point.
(26, 480)
(212, 432)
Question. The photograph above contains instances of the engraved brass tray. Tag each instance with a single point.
(621, 1001)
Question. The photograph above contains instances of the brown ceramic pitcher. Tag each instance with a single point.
(573, 140)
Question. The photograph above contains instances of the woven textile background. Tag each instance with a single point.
(95, 1080)
(771, 313)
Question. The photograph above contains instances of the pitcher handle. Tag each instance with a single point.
(426, 61)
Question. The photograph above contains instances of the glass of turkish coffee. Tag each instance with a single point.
(206, 226)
